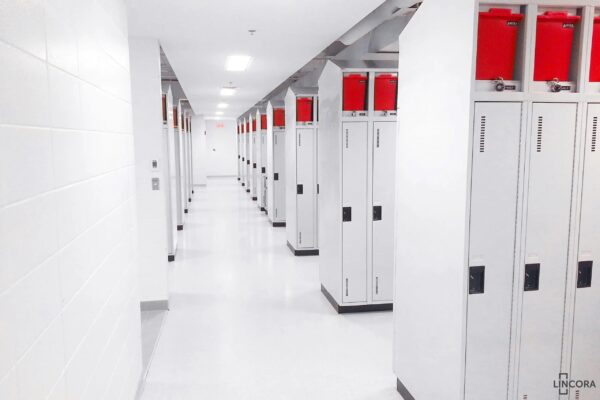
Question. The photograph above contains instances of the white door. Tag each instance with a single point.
(494, 185)
(305, 187)
(384, 166)
(551, 149)
(279, 175)
(586, 331)
(354, 211)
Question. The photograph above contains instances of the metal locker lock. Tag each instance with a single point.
(155, 184)
(477, 279)
(247, 162)
(276, 176)
(376, 213)
(499, 85)
(263, 170)
(299, 189)
(584, 274)
(555, 86)
(253, 165)
(532, 277)
(346, 214)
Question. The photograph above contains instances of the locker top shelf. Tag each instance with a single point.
(304, 91)
(366, 64)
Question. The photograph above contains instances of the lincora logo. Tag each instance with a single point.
(564, 384)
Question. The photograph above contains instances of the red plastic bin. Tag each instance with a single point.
(263, 121)
(304, 109)
(247, 126)
(355, 92)
(254, 125)
(279, 117)
(497, 35)
(386, 92)
(595, 64)
(554, 45)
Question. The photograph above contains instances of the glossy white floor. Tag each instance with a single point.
(248, 320)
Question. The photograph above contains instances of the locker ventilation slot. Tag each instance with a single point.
(482, 135)
(577, 395)
(594, 133)
(539, 134)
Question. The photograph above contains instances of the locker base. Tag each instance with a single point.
(179, 227)
(278, 224)
(354, 309)
(171, 257)
(308, 252)
(403, 391)
(185, 211)
(254, 198)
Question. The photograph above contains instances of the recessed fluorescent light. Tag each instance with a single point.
(227, 91)
(237, 63)
(222, 105)
(219, 113)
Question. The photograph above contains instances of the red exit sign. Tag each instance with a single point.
(220, 126)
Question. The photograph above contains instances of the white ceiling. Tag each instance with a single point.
(198, 35)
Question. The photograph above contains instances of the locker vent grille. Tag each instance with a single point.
(539, 134)
(482, 135)
(577, 395)
(525, 397)
(594, 133)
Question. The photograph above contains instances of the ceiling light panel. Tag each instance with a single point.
(222, 105)
(237, 63)
(227, 91)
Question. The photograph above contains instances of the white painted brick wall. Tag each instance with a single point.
(69, 303)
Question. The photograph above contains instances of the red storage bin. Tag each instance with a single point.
(263, 121)
(247, 126)
(595, 64)
(279, 117)
(175, 117)
(355, 92)
(254, 125)
(386, 92)
(554, 45)
(497, 35)
(304, 109)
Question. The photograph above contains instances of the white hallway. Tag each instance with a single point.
(247, 319)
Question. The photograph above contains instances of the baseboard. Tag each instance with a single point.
(308, 252)
(154, 305)
(403, 391)
(278, 224)
(354, 309)
(179, 227)
(171, 257)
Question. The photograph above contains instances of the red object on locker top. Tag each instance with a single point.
(247, 126)
(595, 64)
(279, 117)
(386, 92)
(554, 45)
(497, 35)
(254, 125)
(304, 109)
(355, 92)
(263, 121)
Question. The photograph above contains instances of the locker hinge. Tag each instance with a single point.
(376, 285)
(299, 237)
(346, 287)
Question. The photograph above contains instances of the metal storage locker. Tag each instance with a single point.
(276, 163)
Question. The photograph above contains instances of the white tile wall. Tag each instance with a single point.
(69, 302)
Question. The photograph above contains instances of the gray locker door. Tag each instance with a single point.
(551, 150)
(354, 208)
(279, 175)
(494, 185)
(248, 162)
(253, 162)
(305, 180)
(586, 330)
(384, 166)
(263, 147)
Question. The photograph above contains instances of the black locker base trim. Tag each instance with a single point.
(355, 309)
(185, 211)
(310, 252)
(247, 190)
(278, 224)
(171, 257)
(254, 198)
(403, 391)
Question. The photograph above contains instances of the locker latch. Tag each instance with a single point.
(247, 162)
(532, 277)
(376, 213)
(253, 165)
(238, 156)
(556, 87)
(317, 188)
(476, 279)
(584, 274)
(346, 214)
(276, 176)
(263, 170)
(299, 189)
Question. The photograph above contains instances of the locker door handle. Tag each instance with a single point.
(532, 277)
(253, 165)
(584, 274)
(263, 170)
(317, 188)
(275, 176)
(346, 214)
(238, 156)
(299, 189)
(477, 279)
(377, 213)
(247, 162)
